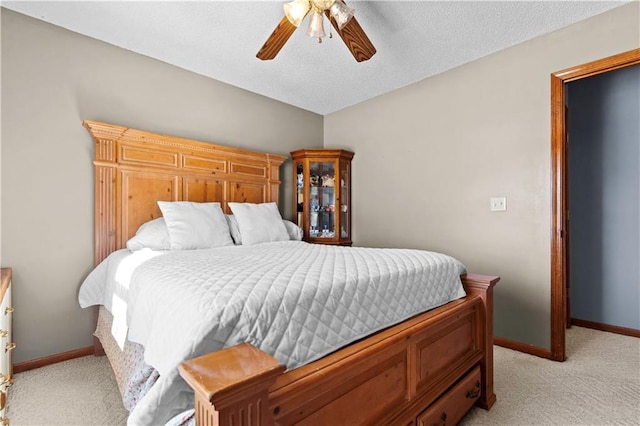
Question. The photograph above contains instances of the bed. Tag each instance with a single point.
(429, 367)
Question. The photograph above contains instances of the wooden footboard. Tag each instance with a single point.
(430, 369)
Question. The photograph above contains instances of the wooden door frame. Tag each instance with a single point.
(559, 193)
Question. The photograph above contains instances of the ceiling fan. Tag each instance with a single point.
(339, 14)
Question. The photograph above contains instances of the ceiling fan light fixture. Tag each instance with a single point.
(341, 13)
(340, 17)
(316, 25)
(296, 10)
(323, 4)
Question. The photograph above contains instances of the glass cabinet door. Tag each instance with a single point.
(322, 199)
(299, 194)
(345, 202)
(322, 195)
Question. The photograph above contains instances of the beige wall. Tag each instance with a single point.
(429, 156)
(52, 79)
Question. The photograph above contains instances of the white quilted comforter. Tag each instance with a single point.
(295, 301)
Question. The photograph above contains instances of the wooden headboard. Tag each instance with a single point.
(134, 169)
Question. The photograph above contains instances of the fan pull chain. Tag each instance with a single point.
(330, 26)
(330, 33)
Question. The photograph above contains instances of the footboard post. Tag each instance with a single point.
(231, 386)
(482, 285)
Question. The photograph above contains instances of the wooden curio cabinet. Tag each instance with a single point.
(322, 194)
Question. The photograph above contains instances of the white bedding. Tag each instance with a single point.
(295, 301)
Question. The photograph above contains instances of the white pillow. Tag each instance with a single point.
(294, 231)
(153, 234)
(234, 228)
(259, 223)
(195, 225)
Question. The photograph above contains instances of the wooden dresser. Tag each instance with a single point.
(6, 342)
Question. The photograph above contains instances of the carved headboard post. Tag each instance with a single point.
(105, 167)
(135, 169)
(274, 177)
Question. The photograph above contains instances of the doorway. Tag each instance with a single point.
(559, 188)
(604, 201)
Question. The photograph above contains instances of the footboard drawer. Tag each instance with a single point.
(454, 404)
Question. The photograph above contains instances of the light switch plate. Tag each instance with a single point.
(498, 204)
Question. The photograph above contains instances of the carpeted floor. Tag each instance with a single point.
(598, 385)
(81, 391)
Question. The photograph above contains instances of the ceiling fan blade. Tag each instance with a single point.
(276, 40)
(354, 37)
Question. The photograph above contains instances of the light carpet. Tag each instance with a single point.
(598, 385)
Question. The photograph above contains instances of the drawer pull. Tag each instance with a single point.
(5, 380)
(7, 311)
(443, 417)
(4, 333)
(472, 394)
(9, 347)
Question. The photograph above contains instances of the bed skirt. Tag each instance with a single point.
(133, 376)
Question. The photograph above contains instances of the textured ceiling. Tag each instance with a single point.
(219, 39)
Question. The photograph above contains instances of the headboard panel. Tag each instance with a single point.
(134, 169)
